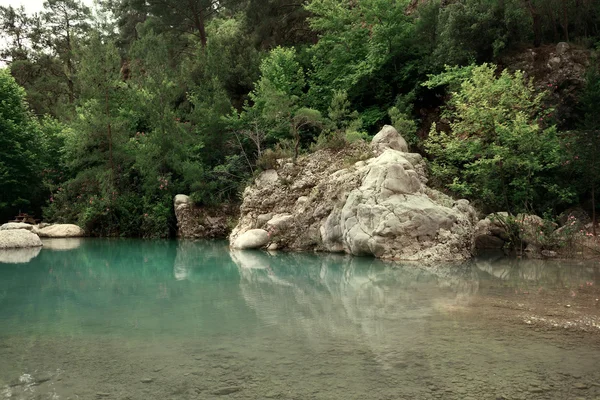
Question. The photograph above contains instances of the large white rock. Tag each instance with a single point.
(389, 138)
(252, 239)
(15, 225)
(60, 231)
(181, 199)
(18, 238)
(380, 206)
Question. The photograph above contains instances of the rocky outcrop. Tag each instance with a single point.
(60, 231)
(18, 238)
(558, 70)
(199, 222)
(377, 206)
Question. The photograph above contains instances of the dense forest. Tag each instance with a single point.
(106, 114)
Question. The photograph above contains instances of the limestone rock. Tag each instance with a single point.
(18, 238)
(562, 48)
(378, 207)
(490, 234)
(201, 222)
(389, 138)
(60, 231)
(15, 225)
(181, 199)
(252, 239)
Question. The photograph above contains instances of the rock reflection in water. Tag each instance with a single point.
(62, 244)
(19, 256)
(350, 300)
(193, 256)
(541, 273)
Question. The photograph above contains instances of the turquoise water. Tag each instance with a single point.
(129, 319)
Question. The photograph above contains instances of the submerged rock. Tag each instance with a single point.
(378, 206)
(18, 238)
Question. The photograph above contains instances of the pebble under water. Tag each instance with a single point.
(132, 319)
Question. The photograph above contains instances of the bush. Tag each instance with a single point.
(500, 151)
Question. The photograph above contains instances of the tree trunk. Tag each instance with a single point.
(198, 17)
(70, 69)
(109, 137)
(565, 19)
(594, 178)
(594, 208)
(536, 22)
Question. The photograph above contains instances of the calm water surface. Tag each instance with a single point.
(127, 319)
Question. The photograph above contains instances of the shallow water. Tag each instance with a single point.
(127, 319)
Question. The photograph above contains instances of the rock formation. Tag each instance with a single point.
(378, 206)
(201, 223)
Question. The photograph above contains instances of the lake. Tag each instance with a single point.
(133, 319)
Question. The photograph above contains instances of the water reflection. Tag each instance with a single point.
(62, 244)
(525, 272)
(19, 256)
(337, 298)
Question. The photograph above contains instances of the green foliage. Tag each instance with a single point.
(20, 147)
(401, 120)
(584, 143)
(143, 100)
(476, 30)
(499, 150)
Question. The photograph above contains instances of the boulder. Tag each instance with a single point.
(490, 232)
(532, 228)
(252, 239)
(60, 231)
(18, 238)
(182, 199)
(562, 48)
(15, 225)
(389, 138)
(379, 206)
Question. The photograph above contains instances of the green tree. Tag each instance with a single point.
(365, 48)
(66, 21)
(20, 145)
(499, 151)
(585, 147)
